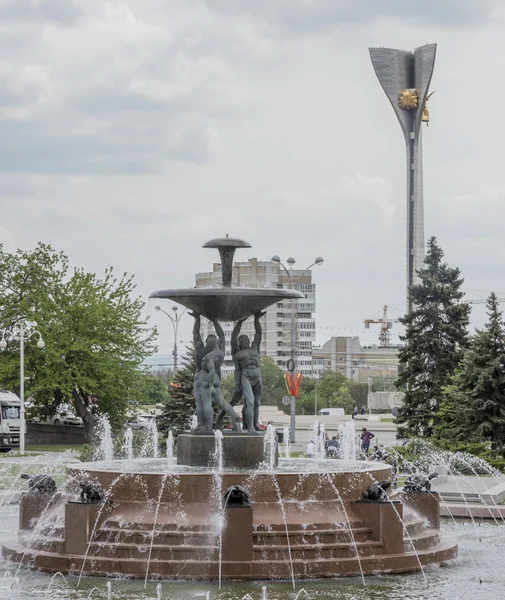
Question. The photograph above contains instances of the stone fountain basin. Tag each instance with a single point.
(227, 303)
(296, 480)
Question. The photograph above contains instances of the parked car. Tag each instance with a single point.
(63, 416)
(140, 422)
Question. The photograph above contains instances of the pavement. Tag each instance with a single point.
(471, 496)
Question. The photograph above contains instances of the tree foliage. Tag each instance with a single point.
(96, 338)
(333, 391)
(148, 389)
(473, 409)
(180, 405)
(436, 337)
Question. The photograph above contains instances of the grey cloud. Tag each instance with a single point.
(62, 12)
(299, 15)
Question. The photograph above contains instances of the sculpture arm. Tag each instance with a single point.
(220, 335)
(197, 337)
(257, 328)
(234, 337)
(238, 377)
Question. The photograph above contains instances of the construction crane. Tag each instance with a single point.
(386, 325)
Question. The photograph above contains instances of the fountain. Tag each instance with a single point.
(230, 508)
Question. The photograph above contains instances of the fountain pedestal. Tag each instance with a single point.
(80, 519)
(31, 506)
(240, 450)
(385, 521)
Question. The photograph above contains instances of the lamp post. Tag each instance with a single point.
(175, 324)
(21, 333)
(293, 281)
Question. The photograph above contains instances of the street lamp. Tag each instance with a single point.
(175, 324)
(21, 333)
(293, 281)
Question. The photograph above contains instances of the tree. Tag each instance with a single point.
(164, 374)
(436, 337)
(332, 392)
(473, 408)
(148, 389)
(180, 406)
(95, 336)
(273, 384)
(359, 393)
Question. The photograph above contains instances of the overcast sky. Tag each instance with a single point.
(132, 131)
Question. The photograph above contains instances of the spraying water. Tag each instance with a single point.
(170, 445)
(128, 444)
(153, 431)
(347, 440)
(218, 451)
(285, 434)
(106, 441)
(269, 446)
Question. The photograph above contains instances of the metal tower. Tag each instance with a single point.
(405, 77)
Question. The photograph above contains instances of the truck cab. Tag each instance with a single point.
(10, 406)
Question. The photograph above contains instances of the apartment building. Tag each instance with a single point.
(346, 355)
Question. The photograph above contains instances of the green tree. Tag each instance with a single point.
(95, 336)
(332, 392)
(473, 409)
(180, 405)
(359, 393)
(436, 337)
(272, 381)
(148, 389)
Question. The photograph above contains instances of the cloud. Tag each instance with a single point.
(305, 16)
(132, 131)
(67, 13)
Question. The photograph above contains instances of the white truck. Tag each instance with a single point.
(10, 406)
(332, 412)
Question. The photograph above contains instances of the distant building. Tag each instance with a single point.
(346, 355)
(276, 339)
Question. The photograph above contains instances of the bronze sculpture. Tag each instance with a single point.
(246, 357)
(207, 383)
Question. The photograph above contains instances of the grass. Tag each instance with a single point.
(54, 448)
(388, 420)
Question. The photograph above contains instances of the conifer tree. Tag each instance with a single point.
(435, 339)
(474, 404)
(180, 406)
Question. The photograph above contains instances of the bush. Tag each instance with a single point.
(87, 453)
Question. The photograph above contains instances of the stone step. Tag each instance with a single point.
(415, 526)
(463, 497)
(422, 541)
(158, 552)
(162, 537)
(323, 536)
(317, 551)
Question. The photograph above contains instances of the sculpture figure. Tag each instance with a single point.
(207, 384)
(419, 483)
(246, 357)
(91, 492)
(40, 484)
(376, 491)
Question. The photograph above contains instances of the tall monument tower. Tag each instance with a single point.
(405, 77)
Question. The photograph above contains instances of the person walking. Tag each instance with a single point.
(366, 437)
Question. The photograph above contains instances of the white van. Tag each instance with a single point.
(10, 406)
(331, 412)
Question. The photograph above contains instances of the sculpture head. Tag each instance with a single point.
(243, 342)
(211, 342)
